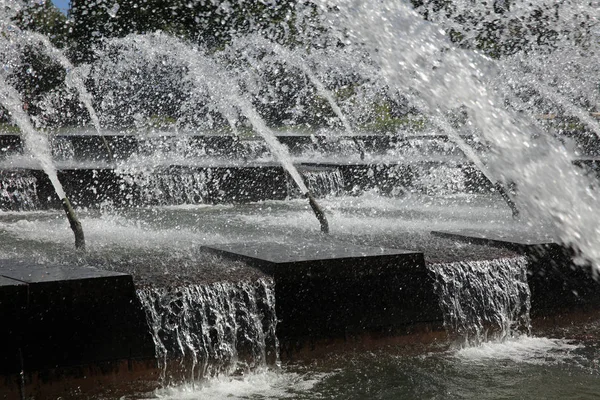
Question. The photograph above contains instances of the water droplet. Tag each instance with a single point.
(114, 10)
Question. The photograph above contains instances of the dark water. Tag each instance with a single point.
(522, 368)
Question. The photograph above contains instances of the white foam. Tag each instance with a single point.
(259, 385)
(523, 349)
(110, 230)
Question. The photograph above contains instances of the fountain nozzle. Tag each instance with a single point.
(75, 224)
(318, 212)
(504, 192)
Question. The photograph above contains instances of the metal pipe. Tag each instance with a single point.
(75, 224)
(319, 213)
(507, 198)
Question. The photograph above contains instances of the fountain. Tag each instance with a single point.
(461, 225)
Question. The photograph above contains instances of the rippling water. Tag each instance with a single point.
(525, 367)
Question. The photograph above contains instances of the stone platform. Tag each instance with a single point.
(64, 325)
(66, 316)
(518, 240)
(219, 183)
(327, 289)
(88, 145)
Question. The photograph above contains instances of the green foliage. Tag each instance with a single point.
(386, 122)
(212, 23)
(492, 27)
(161, 122)
(46, 19)
(7, 128)
(37, 74)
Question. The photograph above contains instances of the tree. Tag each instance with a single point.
(36, 73)
(209, 22)
(44, 18)
(505, 27)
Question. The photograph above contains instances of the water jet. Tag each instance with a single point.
(39, 148)
(223, 128)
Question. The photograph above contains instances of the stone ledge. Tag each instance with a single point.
(65, 316)
(330, 289)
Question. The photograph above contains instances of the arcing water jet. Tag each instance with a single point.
(38, 146)
(73, 79)
(205, 73)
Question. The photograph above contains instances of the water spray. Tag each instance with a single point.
(299, 62)
(74, 79)
(472, 156)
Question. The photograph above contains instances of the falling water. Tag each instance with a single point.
(325, 182)
(73, 79)
(35, 142)
(171, 187)
(206, 330)
(484, 300)
(416, 56)
(18, 191)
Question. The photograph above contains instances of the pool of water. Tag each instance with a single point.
(527, 367)
(155, 242)
(368, 218)
(166, 241)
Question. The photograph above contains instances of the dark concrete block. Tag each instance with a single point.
(330, 289)
(34, 273)
(387, 178)
(297, 144)
(250, 183)
(93, 147)
(223, 182)
(75, 316)
(89, 187)
(13, 300)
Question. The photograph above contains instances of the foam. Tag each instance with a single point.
(522, 349)
(265, 384)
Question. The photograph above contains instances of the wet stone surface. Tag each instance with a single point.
(7, 282)
(32, 273)
(65, 315)
(436, 249)
(162, 269)
(328, 288)
(304, 251)
(520, 238)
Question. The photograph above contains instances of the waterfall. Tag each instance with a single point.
(207, 330)
(18, 191)
(482, 300)
(172, 187)
(324, 182)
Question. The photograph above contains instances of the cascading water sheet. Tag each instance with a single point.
(484, 300)
(207, 330)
